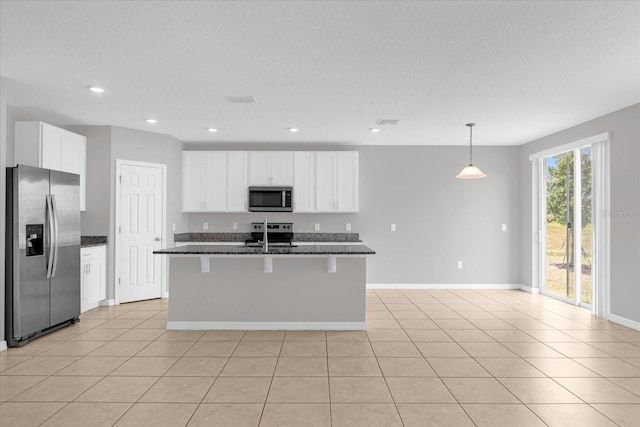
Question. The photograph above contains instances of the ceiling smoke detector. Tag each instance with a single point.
(240, 99)
(384, 122)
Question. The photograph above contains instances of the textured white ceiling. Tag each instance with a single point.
(521, 70)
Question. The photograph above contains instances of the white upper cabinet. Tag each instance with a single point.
(336, 181)
(204, 181)
(347, 181)
(214, 181)
(217, 181)
(193, 182)
(271, 168)
(237, 185)
(304, 181)
(42, 145)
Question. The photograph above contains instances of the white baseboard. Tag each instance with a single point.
(529, 289)
(624, 321)
(268, 326)
(442, 286)
(165, 295)
(3, 345)
(107, 302)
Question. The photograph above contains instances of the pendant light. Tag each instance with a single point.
(471, 172)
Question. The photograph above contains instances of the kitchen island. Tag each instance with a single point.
(295, 287)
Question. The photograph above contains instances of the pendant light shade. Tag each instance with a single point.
(471, 172)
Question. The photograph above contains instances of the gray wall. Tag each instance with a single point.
(440, 219)
(105, 145)
(129, 144)
(624, 126)
(95, 220)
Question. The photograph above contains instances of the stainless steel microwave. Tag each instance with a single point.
(270, 199)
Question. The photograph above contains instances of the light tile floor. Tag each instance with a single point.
(428, 358)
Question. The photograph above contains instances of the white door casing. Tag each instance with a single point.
(140, 230)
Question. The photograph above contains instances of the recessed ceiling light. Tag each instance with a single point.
(96, 89)
(293, 130)
(374, 130)
(213, 130)
(151, 120)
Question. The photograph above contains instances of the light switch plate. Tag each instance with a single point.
(348, 226)
(393, 227)
(205, 225)
(317, 227)
(459, 265)
(504, 227)
(173, 226)
(235, 226)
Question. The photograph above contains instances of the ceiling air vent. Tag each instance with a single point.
(383, 122)
(240, 99)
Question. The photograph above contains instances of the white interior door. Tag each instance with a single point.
(140, 231)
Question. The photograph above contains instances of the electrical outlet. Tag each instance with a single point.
(205, 225)
(459, 265)
(235, 226)
(393, 227)
(173, 226)
(348, 226)
(504, 227)
(317, 227)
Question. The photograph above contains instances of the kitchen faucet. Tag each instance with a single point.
(265, 240)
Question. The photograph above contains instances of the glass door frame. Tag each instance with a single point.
(600, 220)
(576, 226)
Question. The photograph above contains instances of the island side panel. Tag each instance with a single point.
(298, 294)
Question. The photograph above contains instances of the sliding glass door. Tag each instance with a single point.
(567, 226)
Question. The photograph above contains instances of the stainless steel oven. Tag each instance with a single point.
(271, 199)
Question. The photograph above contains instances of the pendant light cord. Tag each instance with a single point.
(470, 145)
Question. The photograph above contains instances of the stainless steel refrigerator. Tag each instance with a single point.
(43, 252)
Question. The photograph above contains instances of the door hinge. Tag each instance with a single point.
(118, 280)
(120, 179)
(119, 230)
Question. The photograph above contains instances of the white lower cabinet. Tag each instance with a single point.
(93, 277)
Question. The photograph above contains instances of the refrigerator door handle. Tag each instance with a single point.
(54, 209)
(51, 237)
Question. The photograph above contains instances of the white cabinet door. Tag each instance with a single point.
(237, 191)
(43, 145)
(281, 167)
(271, 168)
(50, 154)
(93, 277)
(304, 184)
(325, 182)
(346, 181)
(73, 159)
(336, 181)
(216, 181)
(259, 170)
(193, 181)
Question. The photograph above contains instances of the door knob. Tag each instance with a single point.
(157, 239)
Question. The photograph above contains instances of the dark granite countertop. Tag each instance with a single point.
(88, 241)
(292, 250)
(241, 237)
